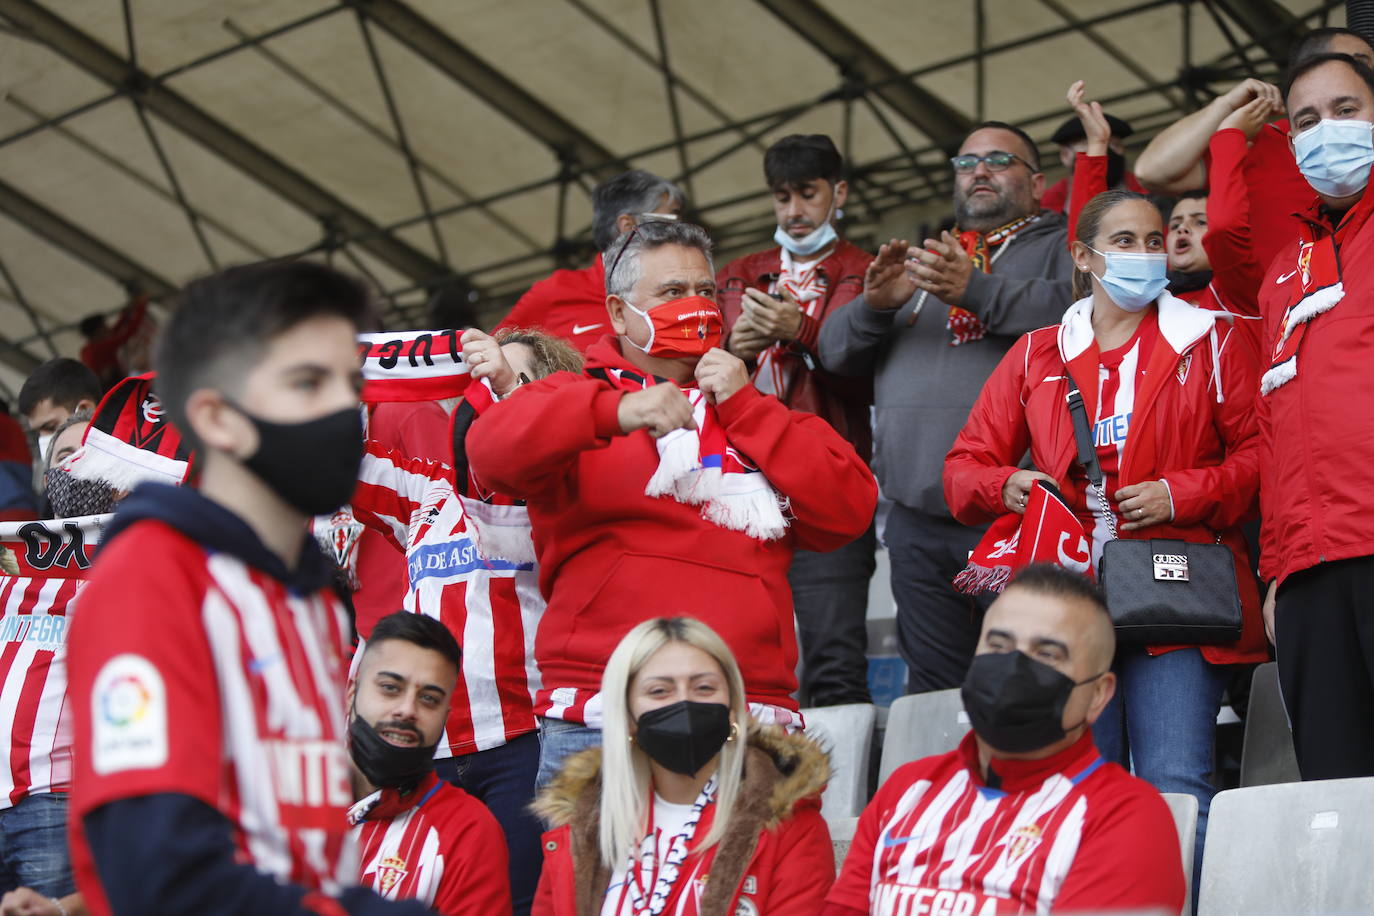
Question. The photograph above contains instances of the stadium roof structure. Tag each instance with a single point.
(454, 143)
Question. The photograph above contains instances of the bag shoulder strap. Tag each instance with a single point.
(1082, 431)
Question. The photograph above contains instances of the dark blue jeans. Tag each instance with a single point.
(33, 846)
(503, 779)
(1167, 737)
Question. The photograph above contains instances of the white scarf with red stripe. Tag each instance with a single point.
(700, 468)
(806, 285)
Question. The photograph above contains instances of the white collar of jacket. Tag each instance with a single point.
(1180, 323)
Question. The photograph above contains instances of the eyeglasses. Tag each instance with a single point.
(997, 161)
(621, 253)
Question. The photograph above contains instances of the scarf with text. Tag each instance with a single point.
(963, 325)
(700, 468)
(1048, 532)
(412, 365)
(54, 548)
(1319, 289)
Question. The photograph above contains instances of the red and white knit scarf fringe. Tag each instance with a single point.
(700, 468)
(1040, 535)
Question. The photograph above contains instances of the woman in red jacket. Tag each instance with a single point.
(1170, 390)
(687, 785)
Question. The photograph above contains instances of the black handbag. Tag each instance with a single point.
(1159, 591)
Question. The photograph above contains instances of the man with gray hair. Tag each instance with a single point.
(661, 483)
(572, 303)
(933, 322)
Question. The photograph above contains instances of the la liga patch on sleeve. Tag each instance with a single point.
(129, 712)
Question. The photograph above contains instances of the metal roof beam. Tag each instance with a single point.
(934, 117)
(102, 63)
(80, 244)
(1267, 22)
(429, 41)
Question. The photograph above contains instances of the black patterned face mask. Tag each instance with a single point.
(73, 498)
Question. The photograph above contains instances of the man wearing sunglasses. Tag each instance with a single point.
(933, 322)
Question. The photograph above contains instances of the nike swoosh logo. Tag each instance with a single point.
(1285, 278)
(584, 328)
(891, 841)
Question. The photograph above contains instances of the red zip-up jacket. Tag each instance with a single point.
(1193, 426)
(842, 401)
(1318, 429)
(610, 556)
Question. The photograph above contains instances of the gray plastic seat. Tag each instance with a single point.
(1267, 756)
(846, 734)
(922, 725)
(1184, 808)
(841, 836)
(1300, 847)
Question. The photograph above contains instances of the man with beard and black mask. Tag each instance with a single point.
(1069, 832)
(933, 322)
(69, 496)
(419, 837)
(206, 694)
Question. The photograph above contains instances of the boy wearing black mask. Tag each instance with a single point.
(419, 836)
(1069, 831)
(211, 774)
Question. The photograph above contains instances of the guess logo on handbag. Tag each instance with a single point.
(1171, 567)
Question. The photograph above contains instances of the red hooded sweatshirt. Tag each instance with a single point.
(610, 556)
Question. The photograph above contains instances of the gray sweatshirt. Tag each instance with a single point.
(923, 388)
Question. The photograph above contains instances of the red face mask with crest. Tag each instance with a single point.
(680, 328)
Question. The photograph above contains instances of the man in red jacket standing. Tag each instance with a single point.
(572, 303)
(661, 483)
(774, 303)
(1316, 410)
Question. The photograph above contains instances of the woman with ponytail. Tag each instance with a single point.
(1169, 391)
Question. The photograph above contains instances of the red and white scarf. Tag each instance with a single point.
(805, 284)
(1319, 270)
(962, 324)
(130, 440)
(412, 365)
(1048, 532)
(700, 468)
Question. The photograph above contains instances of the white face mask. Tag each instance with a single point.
(812, 242)
(1335, 156)
(44, 441)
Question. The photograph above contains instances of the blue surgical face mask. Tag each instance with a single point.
(810, 243)
(1335, 156)
(1134, 279)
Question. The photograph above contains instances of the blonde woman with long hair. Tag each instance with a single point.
(690, 808)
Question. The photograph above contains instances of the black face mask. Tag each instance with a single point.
(312, 466)
(383, 763)
(72, 498)
(1015, 703)
(1181, 282)
(684, 736)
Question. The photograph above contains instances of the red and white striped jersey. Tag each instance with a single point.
(1118, 372)
(36, 737)
(198, 674)
(438, 845)
(471, 566)
(1065, 833)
